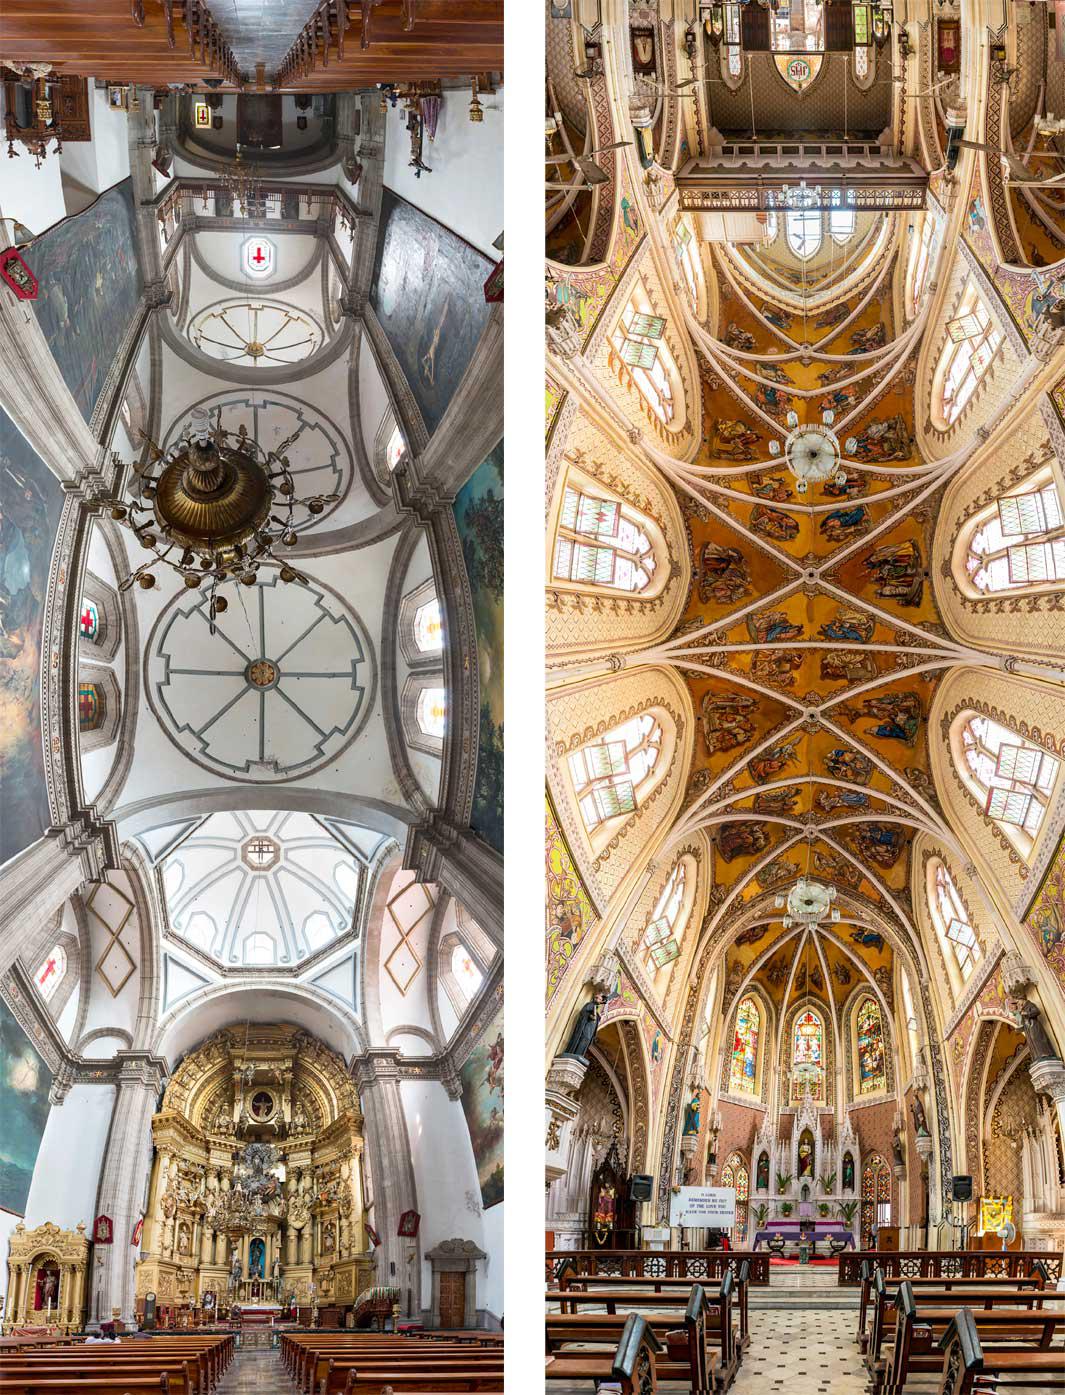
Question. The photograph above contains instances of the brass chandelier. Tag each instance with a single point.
(214, 507)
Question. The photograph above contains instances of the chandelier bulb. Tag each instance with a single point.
(219, 605)
(285, 487)
(800, 486)
(289, 539)
(119, 513)
(247, 578)
(147, 540)
(287, 574)
(192, 580)
(315, 506)
(146, 581)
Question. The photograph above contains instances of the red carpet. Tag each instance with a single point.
(793, 1263)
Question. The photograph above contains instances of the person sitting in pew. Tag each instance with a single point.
(107, 1333)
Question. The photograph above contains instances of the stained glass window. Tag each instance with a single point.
(743, 1071)
(660, 939)
(89, 621)
(922, 261)
(432, 711)
(872, 1071)
(971, 345)
(609, 773)
(734, 1174)
(807, 1051)
(51, 972)
(638, 339)
(395, 448)
(1015, 776)
(951, 919)
(92, 707)
(429, 627)
(1019, 542)
(467, 975)
(602, 542)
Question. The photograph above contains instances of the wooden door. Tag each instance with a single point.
(452, 1299)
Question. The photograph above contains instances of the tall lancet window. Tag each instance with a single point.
(639, 339)
(743, 1067)
(612, 773)
(50, 972)
(661, 939)
(1014, 777)
(602, 542)
(872, 1061)
(973, 339)
(951, 919)
(808, 1052)
(1019, 542)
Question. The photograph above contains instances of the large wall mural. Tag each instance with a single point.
(31, 504)
(24, 1084)
(479, 518)
(482, 1104)
(428, 293)
(90, 285)
(570, 913)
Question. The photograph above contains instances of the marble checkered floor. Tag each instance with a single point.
(801, 1352)
(255, 1373)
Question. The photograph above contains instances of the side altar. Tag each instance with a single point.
(256, 1194)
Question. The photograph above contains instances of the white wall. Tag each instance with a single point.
(465, 189)
(445, 1175)
(34, 197)
(67, 1176)
(102, 162)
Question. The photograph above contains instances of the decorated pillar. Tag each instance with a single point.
(123, 1179)
(377, 1076)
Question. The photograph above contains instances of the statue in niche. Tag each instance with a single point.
(691, 1115)
(329, 1238)
(585, 1027)
(762, 1179)
(236, 1269)
(275, 1276)
(184, 1239)
(848, 1172)
(806, 1155)
(920, 1120)
(896, 1148)
(1035, 1033)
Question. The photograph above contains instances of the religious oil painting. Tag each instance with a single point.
(90, 286)
(479, 518)
(482, 1104)
(31, 502)
(25, 1081)
(428, 293)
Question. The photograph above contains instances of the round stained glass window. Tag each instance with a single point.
(799, 70)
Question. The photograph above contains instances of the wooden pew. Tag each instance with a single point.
(325, 1359)
(189, 1365)
(920, 1328)
(877, 1293)
(968, 1368)
(632, 1366)
(107, 1385)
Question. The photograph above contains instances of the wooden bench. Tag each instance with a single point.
(631, 1366)
(967, 1368)
(90, 1385)
(324, 1365)
(919, 1330)
(1037, 1278)
(1008, 1292)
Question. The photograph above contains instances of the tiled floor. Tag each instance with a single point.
(801, 1353)
(260, 1372)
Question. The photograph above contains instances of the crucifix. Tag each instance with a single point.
(49, 970)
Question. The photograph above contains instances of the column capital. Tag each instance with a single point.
(1048, 1077)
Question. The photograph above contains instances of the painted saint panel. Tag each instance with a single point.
(24, 1084)
(482, 1104)
(91, 285)
(31, 504)
(872, 1075)
(743, 1068)
(428, 293)
(479, 519)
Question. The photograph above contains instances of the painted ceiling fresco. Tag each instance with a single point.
(810, 633)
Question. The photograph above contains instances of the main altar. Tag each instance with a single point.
(256, 1194)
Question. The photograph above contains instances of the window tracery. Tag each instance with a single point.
(973, 339)
(1019, 541)
(922, 260)
(638, 339)
(876, 1198)
(735, 1174)
(665, 930)
(611, 774)
(1014, 777)
(951, 919)
(602, 542)
(743, 1068)
(808, 1053)
(871, 1049)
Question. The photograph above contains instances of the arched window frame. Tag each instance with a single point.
(663, 936)
(950, 918)
(636, 542)
(920, 263)
(639, 339)
(912, 1020)
(389, 447)
(613, 773)
(736, 1174)
(973, 341)
(1012, 779)
(50, 972)
(791, 1096)
(1016, 544)
(685, 250)
(111, 701)
(766, 1046)
(418, 683)
(409, 609)
(735, 1084)
(468, 936)
(861, 1091)
(875, 1197)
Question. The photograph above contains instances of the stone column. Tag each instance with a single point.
(385, 1131)
(122, 1181)
(291, 1242)
(1048, 1078)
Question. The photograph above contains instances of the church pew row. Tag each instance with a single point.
(343, 1373)
(967, 1367)
(631, 1366)
(89, 1385)
(683, 1356)
(1036, 1280)
(180, 1377)
(987, 1296)
(920, 1328)
(192, 1366)
(322, 1361)
(719, 1334)
(667, 1284)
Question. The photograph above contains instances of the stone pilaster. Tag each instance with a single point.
(564, 1081)
(463, 865)
(388, 1154)
(1048, 1078)
(123, 1181)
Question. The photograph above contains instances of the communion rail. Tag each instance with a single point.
(655, 1264)
(946, 1264)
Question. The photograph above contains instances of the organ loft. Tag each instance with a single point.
(257, 1187)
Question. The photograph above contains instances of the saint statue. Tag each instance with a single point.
(1039, 1043)
(691, 1115)
(275, 1275)
(896, 1148)
(806, 1157)
(762, 1179)
(585, 1027)
(848, 1172)
(236, 1269)
(920, 1121)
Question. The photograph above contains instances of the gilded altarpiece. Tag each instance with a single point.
(256, 1191)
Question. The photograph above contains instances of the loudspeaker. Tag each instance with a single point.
(961, 1188)
(641, 1187)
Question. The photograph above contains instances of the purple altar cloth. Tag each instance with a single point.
(792, 1231)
